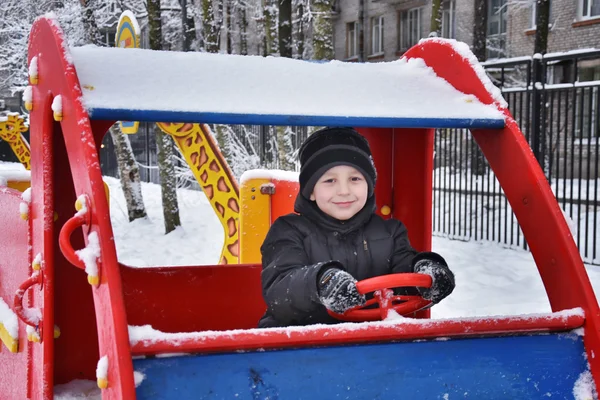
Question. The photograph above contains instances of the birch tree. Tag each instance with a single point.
(436, 18)
(164, 143)
(129, 172)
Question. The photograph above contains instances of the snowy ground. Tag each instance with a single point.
(491, 280)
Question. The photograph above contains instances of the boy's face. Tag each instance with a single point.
(341, 192)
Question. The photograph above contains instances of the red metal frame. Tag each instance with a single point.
(293, 337)
(61, 150)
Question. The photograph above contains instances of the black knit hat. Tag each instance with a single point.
(330, 147)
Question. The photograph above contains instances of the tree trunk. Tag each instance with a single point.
(243, 27)
(92, 33)
(129, 173)
(542, 21)
(285, 28)
(271, 41)
(480, 29)
(211, 26)
(300, 36)
(323, 30)
(436, 18)
(164, 144)
(168, 183)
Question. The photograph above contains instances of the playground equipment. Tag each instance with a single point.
(207, 313)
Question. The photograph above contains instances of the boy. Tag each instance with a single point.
(313, 259)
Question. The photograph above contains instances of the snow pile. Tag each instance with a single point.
(584, 388)
(140, 79)
(102, 368)
(57, 105)
(269, 174)
(90, 254)
(33, 67)
(9, 319)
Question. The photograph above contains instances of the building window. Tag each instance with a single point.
(376, 35)
(449, 19)
(589, 9)
(351, 40)
(496, 29)
(534, 15)
(409, 28)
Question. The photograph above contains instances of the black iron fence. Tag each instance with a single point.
(556, 101)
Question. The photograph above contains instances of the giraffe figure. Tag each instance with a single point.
(214, 176)
(11, 129)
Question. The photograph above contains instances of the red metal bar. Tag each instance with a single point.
(294, 337)
(35, 279)
(64, 238)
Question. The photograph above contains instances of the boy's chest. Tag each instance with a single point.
(361, 255)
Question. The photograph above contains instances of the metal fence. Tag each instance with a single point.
(556, 101)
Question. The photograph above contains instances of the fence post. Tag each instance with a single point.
(537, 107)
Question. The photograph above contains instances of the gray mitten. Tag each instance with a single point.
(338, 292)
(442, 280)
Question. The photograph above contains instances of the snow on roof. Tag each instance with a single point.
(146, 85)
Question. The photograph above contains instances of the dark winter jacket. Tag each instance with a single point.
(298, 247)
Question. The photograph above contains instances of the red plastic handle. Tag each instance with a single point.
(64, 239)
(393, 281)
(35, 279)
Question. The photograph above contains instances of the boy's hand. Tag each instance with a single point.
(442, 280)
(337, 291)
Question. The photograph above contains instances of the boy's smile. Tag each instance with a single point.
(341, 192)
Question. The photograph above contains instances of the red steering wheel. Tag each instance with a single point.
(385, 298)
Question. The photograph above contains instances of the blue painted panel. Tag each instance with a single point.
(296, 120)
(518, 367)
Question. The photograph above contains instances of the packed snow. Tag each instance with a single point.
(404, 87)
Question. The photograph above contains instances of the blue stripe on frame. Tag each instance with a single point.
(297, 120)
(511, 367)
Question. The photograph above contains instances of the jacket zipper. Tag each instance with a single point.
(365, 244)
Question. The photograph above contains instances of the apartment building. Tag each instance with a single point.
(390, 27)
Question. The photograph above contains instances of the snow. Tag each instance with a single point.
(114, 78)
(269, 175)
(82, 201)
(28, 95)
(26, 196)
(33, 66)
(9, 319)
(584, 387)
(464, 50)
(102, 368)
(90, 254)
(57, 104)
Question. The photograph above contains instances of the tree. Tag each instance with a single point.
(323, 30)
(542, 21)
(436, 18)
(285, 28)
(270, 11)
(129, 172)
(164, 143)
(480, 29)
